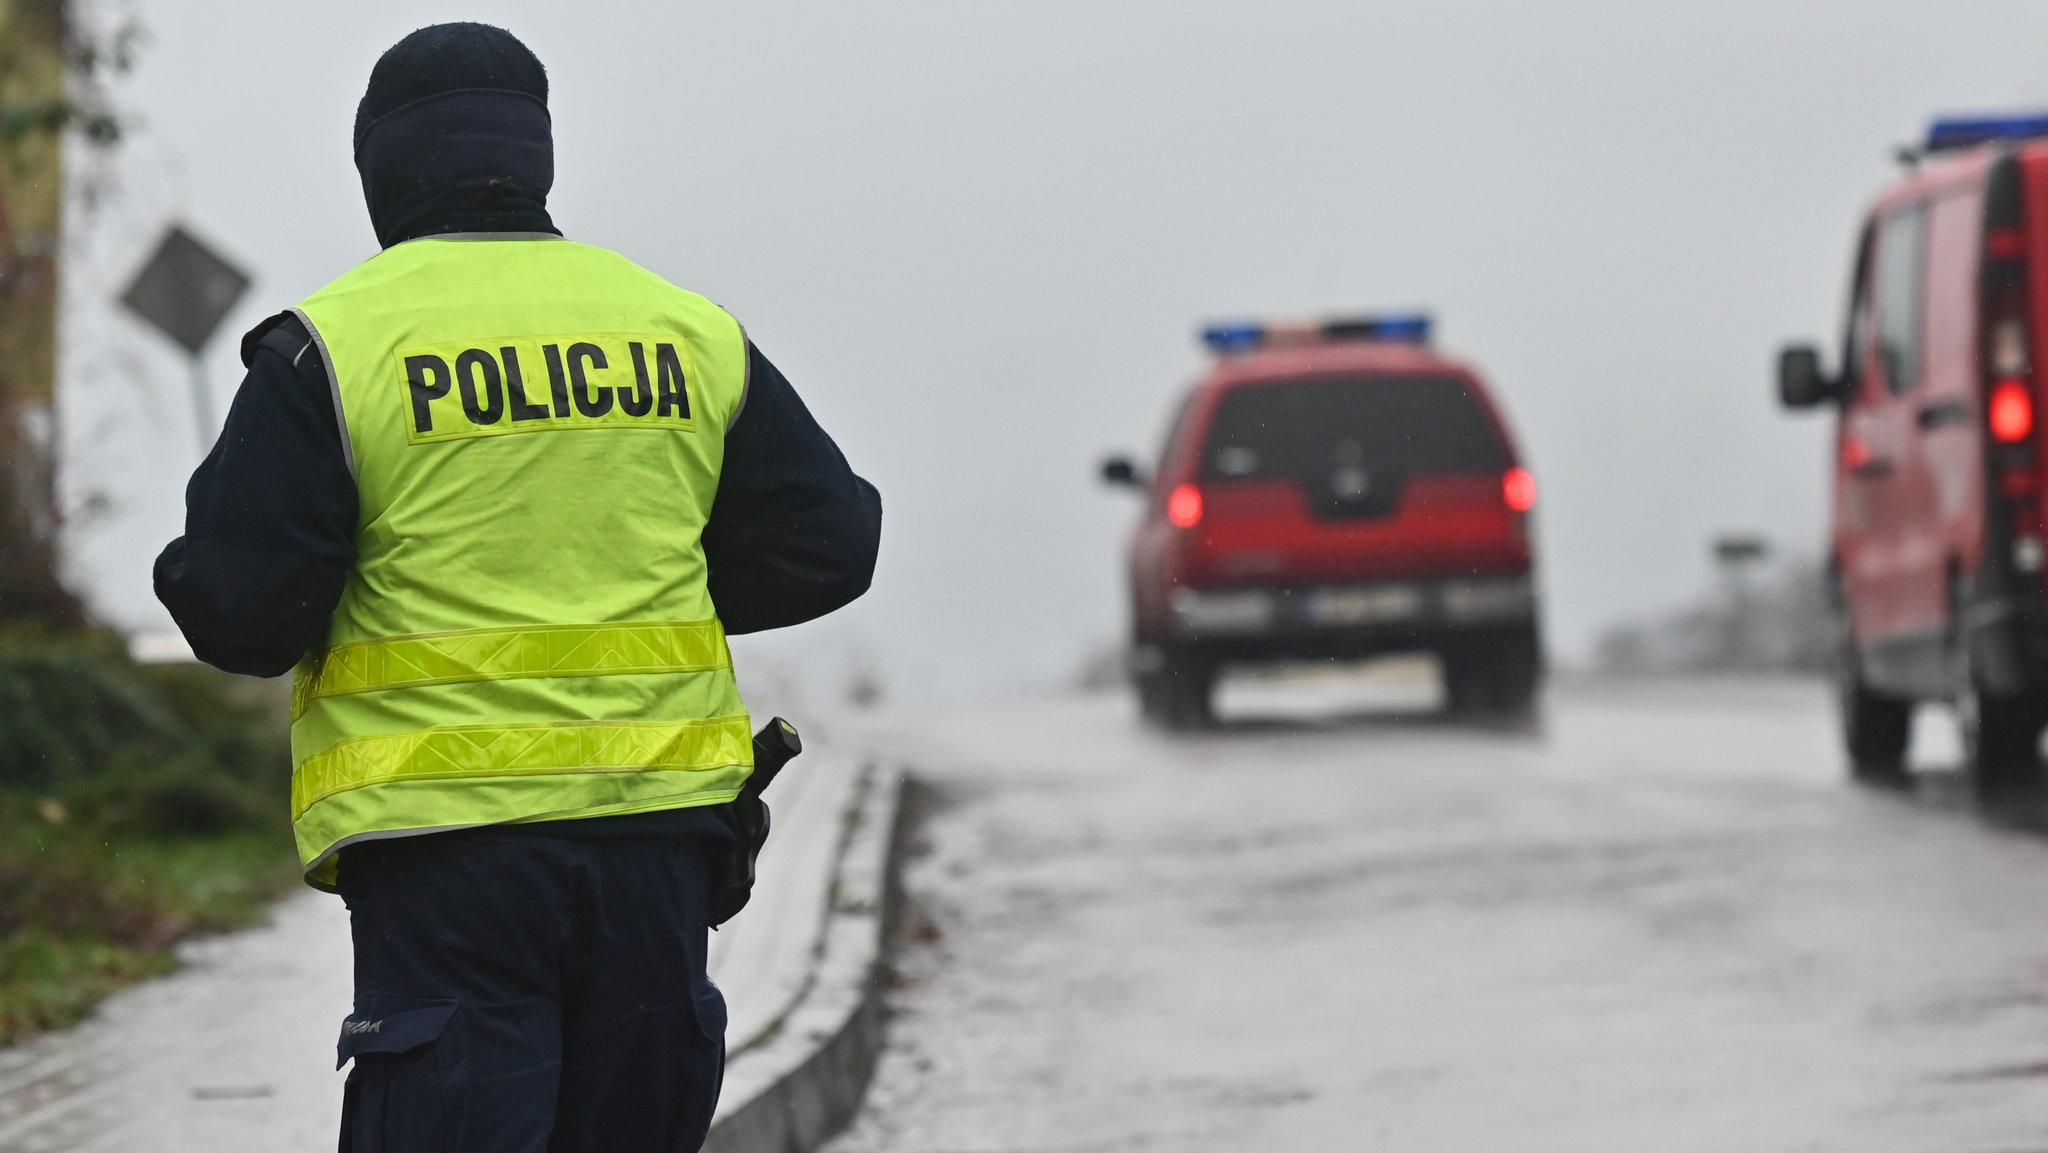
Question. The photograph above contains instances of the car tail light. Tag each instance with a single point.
(2011, 411)
(1184, 506)
(1518, 490)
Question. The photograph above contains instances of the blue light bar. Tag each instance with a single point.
(1951, 132)
(1404, 328)
(1229, 338)
(1243, 336)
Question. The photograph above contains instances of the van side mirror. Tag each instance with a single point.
(1118, 470)
(1801, 383)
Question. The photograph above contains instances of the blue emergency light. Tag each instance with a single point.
(1400, 328)
(1952, 132)
(1227, 338)
(1243, 336)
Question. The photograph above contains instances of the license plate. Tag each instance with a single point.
(1368, 605)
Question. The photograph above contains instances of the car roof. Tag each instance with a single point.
(1330, 358)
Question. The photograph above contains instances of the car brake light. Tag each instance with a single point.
(2012, 411)
(1518, 489)
(1184, 506)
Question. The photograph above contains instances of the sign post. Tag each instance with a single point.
(1738, 554)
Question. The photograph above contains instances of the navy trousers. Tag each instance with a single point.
(534, 989)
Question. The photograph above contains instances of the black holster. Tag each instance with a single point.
(747, 813)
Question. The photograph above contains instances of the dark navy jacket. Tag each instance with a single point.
(271, 515)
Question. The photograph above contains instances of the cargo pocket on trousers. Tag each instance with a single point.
(403, 1096)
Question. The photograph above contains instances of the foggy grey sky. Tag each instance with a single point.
(978, 238)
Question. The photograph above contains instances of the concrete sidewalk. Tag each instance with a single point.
(235, 1054)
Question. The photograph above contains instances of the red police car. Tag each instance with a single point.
(1936, 556)
(1333, 491)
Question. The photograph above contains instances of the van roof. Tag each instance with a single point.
(1944, 171)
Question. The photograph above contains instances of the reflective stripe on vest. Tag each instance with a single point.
(536, 429)
(507, 653)
(510, 750)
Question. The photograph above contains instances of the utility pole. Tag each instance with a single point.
(53, 73)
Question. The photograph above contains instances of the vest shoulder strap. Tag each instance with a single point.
(284, 334)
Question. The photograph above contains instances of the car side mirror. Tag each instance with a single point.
(1118, 470)
(1801, 383)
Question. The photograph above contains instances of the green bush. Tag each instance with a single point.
(137, 805)
(70, 709)
(138, 750)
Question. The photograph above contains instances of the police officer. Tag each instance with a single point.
(501, 497)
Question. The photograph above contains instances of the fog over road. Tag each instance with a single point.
(1660, 922)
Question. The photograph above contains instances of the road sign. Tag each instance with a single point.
(185, 290)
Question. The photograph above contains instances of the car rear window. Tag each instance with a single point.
(1403, 424)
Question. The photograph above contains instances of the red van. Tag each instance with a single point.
(1333, 491)
(1936, 556)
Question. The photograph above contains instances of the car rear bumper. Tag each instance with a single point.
(1347, 619)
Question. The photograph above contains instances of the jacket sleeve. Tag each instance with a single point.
(270, 516)
(793, 533)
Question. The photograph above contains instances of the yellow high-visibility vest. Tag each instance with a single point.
(536, 429)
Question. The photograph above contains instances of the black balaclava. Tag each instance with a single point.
(453, 135)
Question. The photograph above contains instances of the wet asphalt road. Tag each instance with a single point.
(1659, 922)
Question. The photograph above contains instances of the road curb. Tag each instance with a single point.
(789, 1089)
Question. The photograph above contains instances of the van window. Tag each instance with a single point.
(1901, 260)
(1404, 424)
(1955, 225)
(1856, 332)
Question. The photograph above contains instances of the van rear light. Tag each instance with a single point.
(1184, 506)
(2011, 411)
(1518, 489)
(2008, 346)
(2026, 554)
(2005, 303)
(2005, 243)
